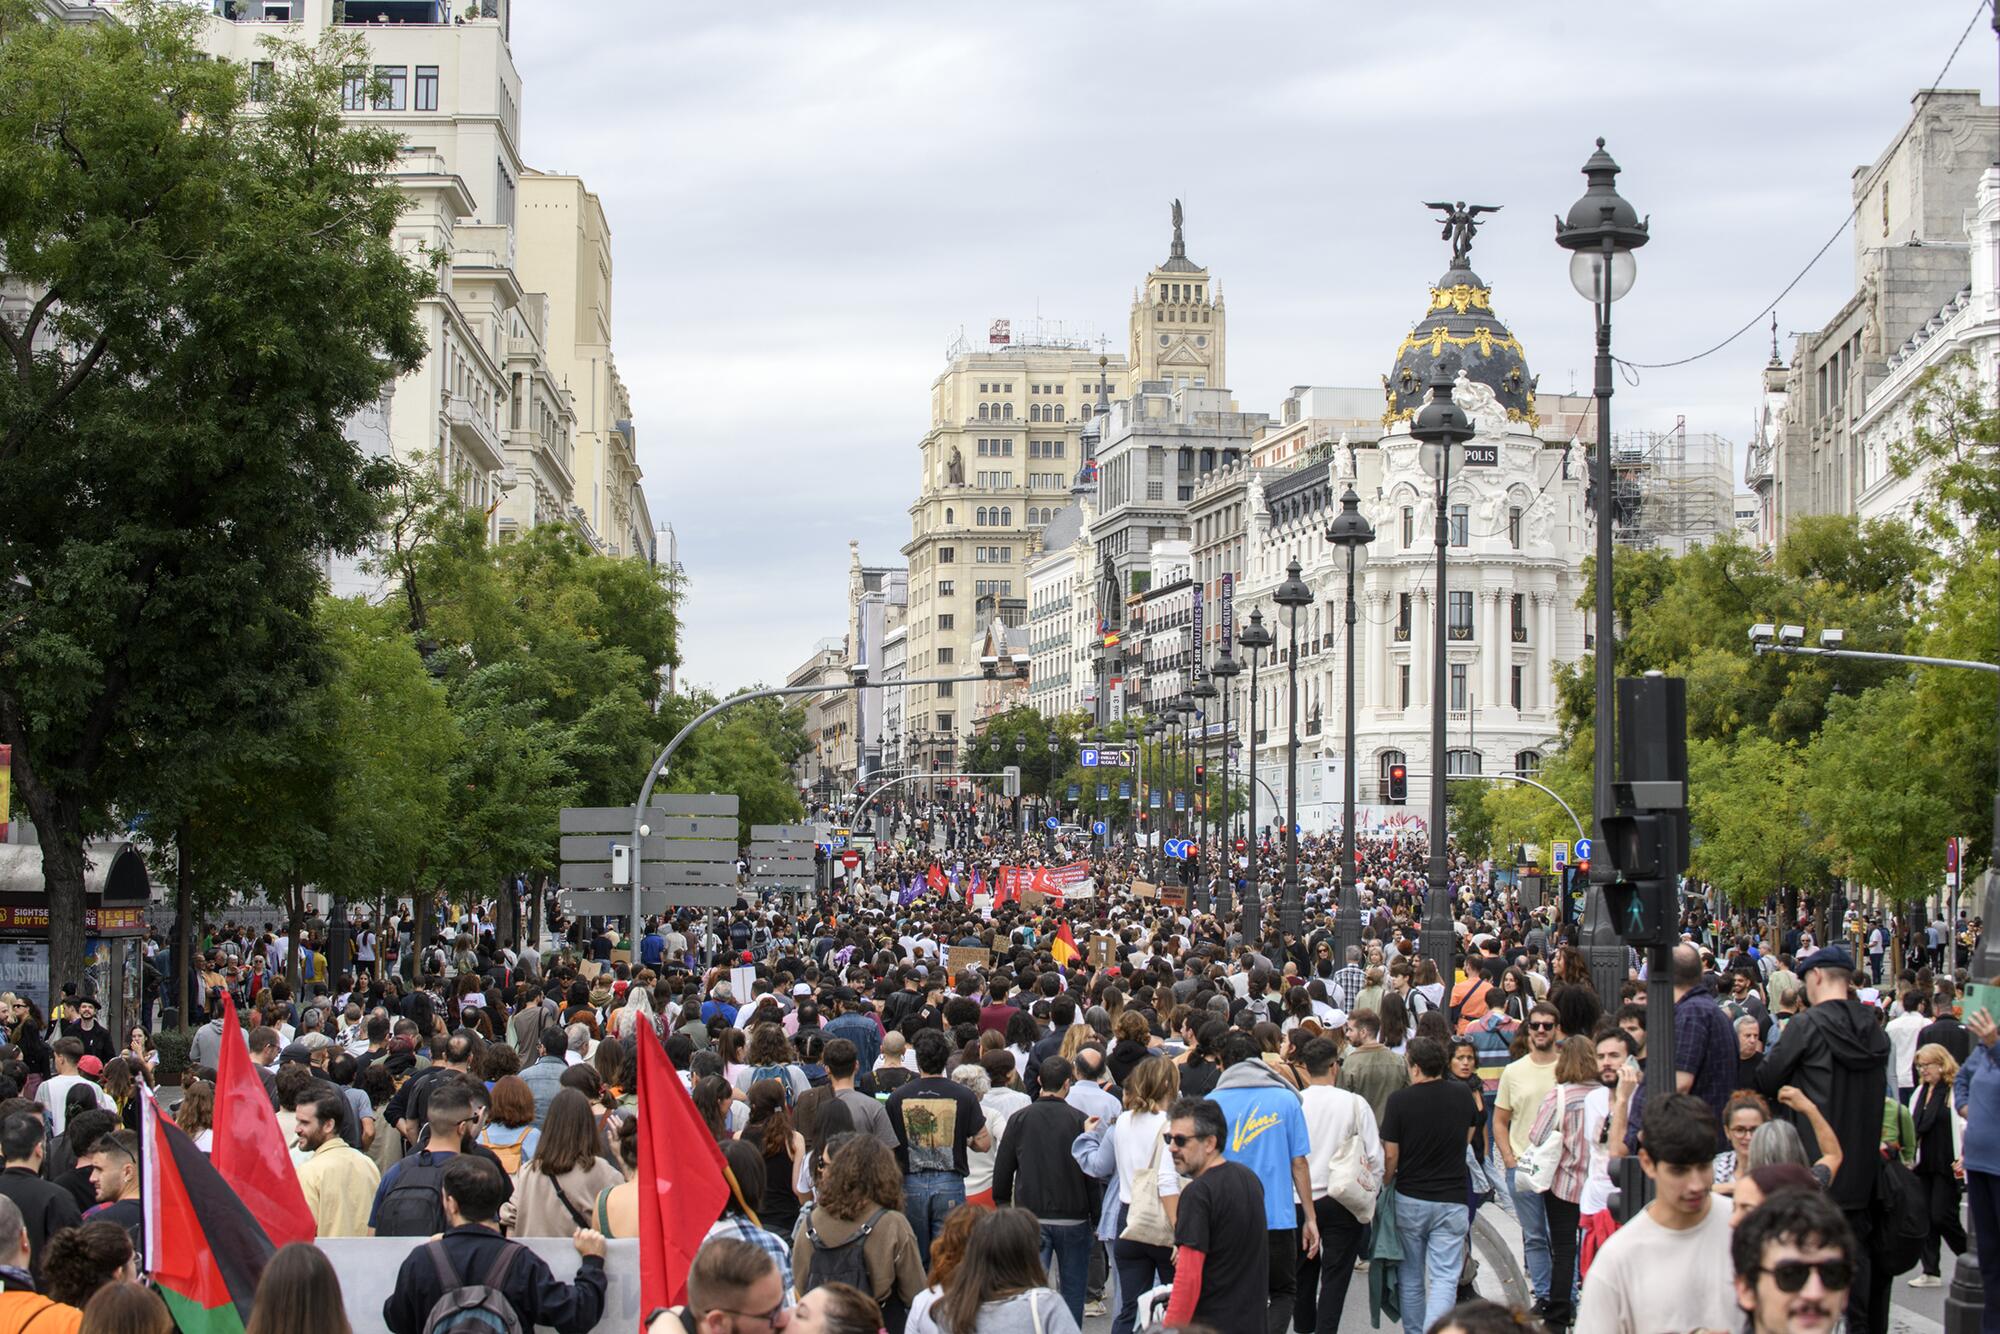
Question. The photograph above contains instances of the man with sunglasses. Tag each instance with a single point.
(1794, 1256)
(1223, 1261)
(1524, 1083)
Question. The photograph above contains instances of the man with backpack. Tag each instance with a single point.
(474, 1281)
(406, 1203)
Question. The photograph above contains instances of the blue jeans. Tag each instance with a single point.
(1534, 1221)
(1433, 1234)
(928, 1199)
(1068, 1244)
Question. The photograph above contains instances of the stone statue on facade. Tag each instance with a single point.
(954, 469)
(1481, 404)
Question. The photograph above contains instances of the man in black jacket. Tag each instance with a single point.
(472, 1251)
(1036, 1144)
(46, 1208)
(1836, 1053)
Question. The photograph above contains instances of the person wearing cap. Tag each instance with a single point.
(1837, 1055)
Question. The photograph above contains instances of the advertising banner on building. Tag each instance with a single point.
(1228, 614)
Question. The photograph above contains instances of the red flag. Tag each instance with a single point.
(250, 1151)
(1043, 883)
(936, 877)
(678, 1155)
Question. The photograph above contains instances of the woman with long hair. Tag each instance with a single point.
(141, 1054)
(1001, 1283)
(28, 1030)
(770, 1133)
(615, 1211)
(947, 1252)
(123, 1090)
(554, 1192)
(1426, 988)
(196, 1114)
(1135, 1038)
(863, 1185)
(1395, 1022)
(730, 1044)
(1562, 1115)
(1940, 1145)
(769, 1055)
(711, 1096)
(1517, 994)
(125, 1308)
(1131, 1151)
(299, 1293)
(1201, 1064)
(510, 1122)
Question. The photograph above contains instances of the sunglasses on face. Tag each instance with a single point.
(1179, 1141)
(1540, 1028)
(1791, 1275)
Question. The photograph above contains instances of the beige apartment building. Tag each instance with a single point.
(1006, 434)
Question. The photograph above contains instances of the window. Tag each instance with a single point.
(1460, 529)
(944, 719)
(946, 620)
(260, 80)
(1155, 490)
(979, 555)
(1007, 517)
(1459, 616)
(1403, 686)
(1458, 688)
(943, 692)
(945, 588)
(982, 416)
(1409, 529)
(427, 87)
(1514, 527)
(354, 88)
(1461, 762)
(945, 657)
(1390, 759)
(946, 555)
(1402, 617)
(947, 515)
(1528, 762)
(392, 87)
(1519, 603)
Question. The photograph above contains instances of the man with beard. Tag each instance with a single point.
(1604, 1113)
(1794, 1257)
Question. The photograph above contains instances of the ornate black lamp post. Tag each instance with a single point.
(1349, 531)
(1601, 233)
(1227, 669)
(1255, 639)
(1442, 428)
(1292, 594)
(1202, 695)
(1020, 761)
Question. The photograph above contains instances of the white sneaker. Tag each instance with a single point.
(1926, 1281)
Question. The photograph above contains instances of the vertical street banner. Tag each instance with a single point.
(6, 787)
(1196, 669)
(1228, 614)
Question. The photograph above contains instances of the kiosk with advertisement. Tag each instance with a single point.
(116, 889)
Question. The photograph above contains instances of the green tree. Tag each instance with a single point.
(1954, 440)
(1873, 792)
(1751, 832)
(212, 295)
(1954, 709)
(1468, 818)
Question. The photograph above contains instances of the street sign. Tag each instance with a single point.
(1103, 791)
(850, 859)
(1951, 863)
(1180, 801)
(1242, 845)
(1583, 849)
(1097, 828)
(1074, 790)
(1155, 799)
(1124, 789)
(1052, 823)
(1087, 757)
(1559, 855)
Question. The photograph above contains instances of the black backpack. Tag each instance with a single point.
(472, 1308)
(414, 1205)
(844, 1263)
(1902, 1217)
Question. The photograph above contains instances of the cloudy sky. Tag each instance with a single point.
(808, 202)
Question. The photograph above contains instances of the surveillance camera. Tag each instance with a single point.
(1791, 636)
(1762, 632)
(1831, 638)
(645, 831)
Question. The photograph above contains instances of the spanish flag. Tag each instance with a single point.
(1063, 947)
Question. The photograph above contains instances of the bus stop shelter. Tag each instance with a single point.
(116, 889)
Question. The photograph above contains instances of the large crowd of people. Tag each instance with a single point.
(964, 1112)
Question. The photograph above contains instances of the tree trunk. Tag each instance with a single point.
(294, 918)
(183, 947)
(420, 933)
(59, 827)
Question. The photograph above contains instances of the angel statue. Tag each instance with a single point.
(1460, 223)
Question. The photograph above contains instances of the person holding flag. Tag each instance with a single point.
(1062, 948)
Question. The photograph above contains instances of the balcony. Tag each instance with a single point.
(1520, 634)
(1458, 634)
(1402, 635)
(472, 430)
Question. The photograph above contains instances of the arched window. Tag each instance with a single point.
(1461, 762)
(1007, 412)
(1007, 517)
(1528, 762)
(1389, 759)
(982, 412)
(947, 515)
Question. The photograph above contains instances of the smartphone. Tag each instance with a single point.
(1981, 997)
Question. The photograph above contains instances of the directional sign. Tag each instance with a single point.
(1559, 855)
(1097, 828)
(1087, 757)
(1583, 849)
(1052, 823)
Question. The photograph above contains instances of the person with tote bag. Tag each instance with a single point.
(1346, 1164)
(1132, 1154)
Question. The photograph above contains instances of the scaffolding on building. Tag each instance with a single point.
(1671, 489)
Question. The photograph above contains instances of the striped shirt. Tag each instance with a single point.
(1574, 1165)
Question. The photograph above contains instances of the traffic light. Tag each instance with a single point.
(1399, 784)
(1200, 774)
(1645, 898)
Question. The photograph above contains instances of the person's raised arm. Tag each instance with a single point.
(1829, 1143)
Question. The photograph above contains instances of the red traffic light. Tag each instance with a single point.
(1399, 784)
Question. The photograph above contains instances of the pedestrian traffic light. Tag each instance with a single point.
(1644, 899)
(1399, 784)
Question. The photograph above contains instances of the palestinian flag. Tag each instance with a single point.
(1063, 947)
(204, 1251)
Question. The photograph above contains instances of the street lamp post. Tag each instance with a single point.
(1055, 746)
(1349, 531)
(1203, 693)
(1228, 669)
(1020, 756)
(1601, 233)
(1255, 638)
(1292, 594)
(1442, 428)
(1155, 731)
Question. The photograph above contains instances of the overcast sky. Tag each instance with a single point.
(809, 202)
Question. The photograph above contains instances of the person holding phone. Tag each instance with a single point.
(1976, 1097)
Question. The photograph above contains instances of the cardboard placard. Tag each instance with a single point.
(742, 982)
(1100, 949)
(1145, 889)
(1034, 900)
(957, 958)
